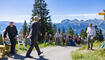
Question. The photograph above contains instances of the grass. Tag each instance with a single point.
(84, 54)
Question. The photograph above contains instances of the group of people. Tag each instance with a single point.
(12, 32)
(70, 40)
(67, 39)
(73, 40)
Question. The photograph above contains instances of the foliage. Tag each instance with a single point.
(1, 41)
(63, 31)
(83, 33)
(99, 35)
(25, 28)
(54, 28)
(71, 31)
(59, 30)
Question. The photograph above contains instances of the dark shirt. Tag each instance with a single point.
(12, 32)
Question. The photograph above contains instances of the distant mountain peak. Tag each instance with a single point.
(65, 21)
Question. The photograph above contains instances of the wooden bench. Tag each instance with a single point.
(2, 48)
(7, 47)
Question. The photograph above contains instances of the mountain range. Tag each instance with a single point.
(76, 24)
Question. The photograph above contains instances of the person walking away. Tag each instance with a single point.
(12, 32)
(33, 35)
(90, 35)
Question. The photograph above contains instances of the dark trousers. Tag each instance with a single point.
(13, 44)
(90, 41)
(33, 44)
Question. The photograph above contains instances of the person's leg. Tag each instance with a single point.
(92, 44)
(14, 44)
(37, 47)
(30, 49)
(11, 46)
(88, 41)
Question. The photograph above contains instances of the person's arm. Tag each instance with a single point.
(16, 31)
(5, 33)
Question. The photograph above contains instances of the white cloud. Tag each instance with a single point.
(16, 18)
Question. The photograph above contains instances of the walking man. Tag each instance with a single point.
(12, 33)
(34, 31)
(90, 35)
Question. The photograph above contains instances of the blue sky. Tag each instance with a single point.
(20, 10)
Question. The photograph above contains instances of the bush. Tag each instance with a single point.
(1, 41)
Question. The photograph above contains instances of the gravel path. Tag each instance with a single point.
(49, 53)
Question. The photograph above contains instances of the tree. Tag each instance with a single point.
(45, 24)
(54, 28)
(99, 35)
(1, 40)
(63, 31)
(25, 28)
(59, 30)
(83, 33)
(70, 31)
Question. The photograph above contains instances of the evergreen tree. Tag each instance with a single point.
(59, 30)
(25, 28)
(99, 35)
(45, 24)
(71, 31)
(63, 31)
(1, 40)
(54, 28)
(83, 33)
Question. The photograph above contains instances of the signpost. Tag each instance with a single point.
(103, 14)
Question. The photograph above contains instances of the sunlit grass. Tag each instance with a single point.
(84, 54)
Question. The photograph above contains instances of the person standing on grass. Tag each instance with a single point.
(12, 32)
(90, 35)
(33, 35)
